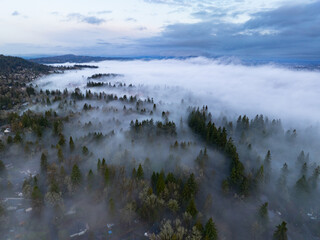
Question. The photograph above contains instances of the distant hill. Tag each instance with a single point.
(72, 59)
(10, 65)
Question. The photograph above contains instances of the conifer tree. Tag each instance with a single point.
(106, 175)
(90, 179)
(76, 175)
(43, 163)
(190, 187)
(85, 151)
(62, 140)
(140, 174)
(210, 231)
(36, 198)
(302, 185)
(71, 144)
(60, 154)
(263, 213)
(267, 166)
(99, 165)
(191, 208)
(281, 232)
(161, 183)
(2, 168)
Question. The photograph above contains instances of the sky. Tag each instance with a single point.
(247, 29)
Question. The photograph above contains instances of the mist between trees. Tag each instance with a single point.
(111, 159)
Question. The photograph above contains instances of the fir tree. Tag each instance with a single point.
(210, 231)
(60, 154)
(85, 151)
(140, 174)
(161, 183)
(281, 232)
(191, 208)
(62, 140)
(106, 175)
(71, 144)
(43, 163)
(190, 187)
(76, 175)
(99, 165)
(2, 168)
(263, 213)
(37, 199)
(267, 166)
(90, 179)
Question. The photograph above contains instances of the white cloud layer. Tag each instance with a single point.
(231, 89)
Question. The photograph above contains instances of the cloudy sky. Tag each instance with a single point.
(248, 29)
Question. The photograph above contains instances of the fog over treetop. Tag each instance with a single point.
(226, 88)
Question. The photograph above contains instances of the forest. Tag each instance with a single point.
(107, 162)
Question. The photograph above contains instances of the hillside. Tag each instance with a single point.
(72, 59)
(10, 65)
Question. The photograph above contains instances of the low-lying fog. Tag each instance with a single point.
(231, 89)
(83, 152)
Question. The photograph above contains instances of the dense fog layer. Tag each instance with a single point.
(134, 154)
(230, 88)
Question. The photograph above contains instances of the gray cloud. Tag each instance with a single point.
(131, 19)
(102, 42)
(142, 28)
(287, 32)
(177, 2)
(86, 19)
(15, 13)
(104, 12)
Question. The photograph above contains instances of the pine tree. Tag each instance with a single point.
(191, 208)
(161, 183)
(85, 151)
(190, 188)
(2, 168)
(71, 144)
(140, 174)
(62, 140)
(154, 179)
(60, 154)
(99, 165)
(43, 163)
(76, 175)
(210, 231)
(54, 187)
(304, 169)
(106, 175)
(281, 232)
(36, 198)
(263, 213)
(259, 177)
(90, 179)
(302, 185)
(245, 186)
(267, 166)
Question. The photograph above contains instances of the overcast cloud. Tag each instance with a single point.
(245, 29)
